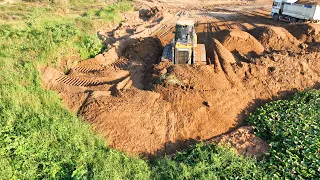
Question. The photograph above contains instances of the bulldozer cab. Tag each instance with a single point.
(184, 31)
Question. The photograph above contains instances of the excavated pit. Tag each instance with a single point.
(152, 109)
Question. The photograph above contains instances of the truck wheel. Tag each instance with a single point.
(275, 17)
(293, 20)
(300, 21)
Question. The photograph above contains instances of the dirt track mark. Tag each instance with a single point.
(84, 82)
(78, 81)
(88, 68)
(91, 68)
(121, 64)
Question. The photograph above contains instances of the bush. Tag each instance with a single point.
(292, 127)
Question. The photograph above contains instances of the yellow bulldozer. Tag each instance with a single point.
(184, 48)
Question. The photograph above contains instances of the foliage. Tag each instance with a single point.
(292, 127)
(206, 162)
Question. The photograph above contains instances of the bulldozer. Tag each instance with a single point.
(184, 48)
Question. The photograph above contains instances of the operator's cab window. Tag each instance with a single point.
(275, 3)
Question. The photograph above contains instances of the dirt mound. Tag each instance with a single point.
(306, 32)
(275, 38)
(223, 54)
(244, 142)
(242, 42)
(188, 103)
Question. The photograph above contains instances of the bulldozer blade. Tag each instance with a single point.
(199, 55)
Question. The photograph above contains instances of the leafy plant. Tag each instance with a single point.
(292, 127)
(90, 46)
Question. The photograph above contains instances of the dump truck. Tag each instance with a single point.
(184, 48)
(295, 11)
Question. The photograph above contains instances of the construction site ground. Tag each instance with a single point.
(148, 108)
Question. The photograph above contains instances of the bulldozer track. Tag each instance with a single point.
(78, 81)
(91, 68)
(121, 64)
(88, 68)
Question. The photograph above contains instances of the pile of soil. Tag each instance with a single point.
(242, 42)
(275, 38)
(306, 32)
(244, 142)
(219, 53)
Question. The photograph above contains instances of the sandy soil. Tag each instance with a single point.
(149, 108)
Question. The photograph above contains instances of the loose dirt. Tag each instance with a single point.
(244, 142)
(149, 108)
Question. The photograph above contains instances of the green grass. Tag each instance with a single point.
(206, 162)
(41, 139)
(292, 127)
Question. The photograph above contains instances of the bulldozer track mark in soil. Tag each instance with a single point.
(121, 64)
(91, 68)
(79, 81)
(88, 69)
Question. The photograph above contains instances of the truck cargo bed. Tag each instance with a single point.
(302, 11)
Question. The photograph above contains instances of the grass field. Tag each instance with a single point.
(41, 139)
